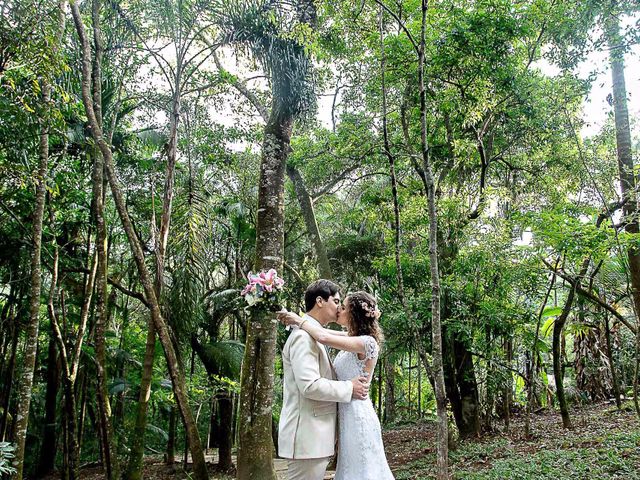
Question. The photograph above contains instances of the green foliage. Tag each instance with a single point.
(613, 456)
(278, 38)
(494, 116)
(6, 454)
(600, 454)
(225, 357)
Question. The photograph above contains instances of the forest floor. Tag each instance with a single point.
(604, 444)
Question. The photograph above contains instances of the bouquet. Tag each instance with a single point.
(263, 290)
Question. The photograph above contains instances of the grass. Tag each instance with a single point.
(614, 457)
(604, 445)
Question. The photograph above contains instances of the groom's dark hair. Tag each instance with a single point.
(323, 288)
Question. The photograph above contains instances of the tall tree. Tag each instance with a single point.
(31, 340)
(288, 65)
(179, 21)
(175, 372)
(436, 328)
(625, 161)
(107, 435)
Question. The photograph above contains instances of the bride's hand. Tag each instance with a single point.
(289, 319)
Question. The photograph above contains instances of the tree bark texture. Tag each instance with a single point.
(461, 385)
(32, 328)
(255, 454)
(389, 390)
(625, 166)
(225, 440)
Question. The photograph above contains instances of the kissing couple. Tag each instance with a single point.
(321, 397)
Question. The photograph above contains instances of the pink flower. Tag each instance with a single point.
(256, 279)
(259, 283)
(270, 275)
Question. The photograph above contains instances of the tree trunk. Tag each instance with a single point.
(32, 327)
(257, 377)
(461, 386)
(109, 449)
(558, 364)
(107, 440)
(436, 328)
(309, 216)
(390, 390)
(625, 165)
(225, 440)
(177, 376)
(170, 454)
(48, 448)
(256, 446)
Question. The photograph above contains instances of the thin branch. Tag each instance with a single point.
(590, 296)
(332, 183)
(114, 283)
(248, 94)
(159, 58)
(414, 44)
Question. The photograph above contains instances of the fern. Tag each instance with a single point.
(6, 455)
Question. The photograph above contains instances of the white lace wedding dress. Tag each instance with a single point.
(360, 450)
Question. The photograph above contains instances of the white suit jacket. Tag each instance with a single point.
(308, 419)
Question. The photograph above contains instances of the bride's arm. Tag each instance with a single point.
(331, 338)
(340, 333)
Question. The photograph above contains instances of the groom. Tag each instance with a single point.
(307, 430)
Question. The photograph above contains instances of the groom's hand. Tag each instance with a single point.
(360, 388)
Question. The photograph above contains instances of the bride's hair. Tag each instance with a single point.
(363, 308)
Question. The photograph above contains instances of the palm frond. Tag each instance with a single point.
(276, 36)
(224, 358)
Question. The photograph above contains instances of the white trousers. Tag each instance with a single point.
(307, 469)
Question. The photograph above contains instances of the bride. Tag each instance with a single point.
(360, 450)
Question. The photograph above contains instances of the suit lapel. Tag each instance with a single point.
(323, 347)
(333, 370)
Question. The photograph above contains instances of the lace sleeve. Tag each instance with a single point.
(370, 347)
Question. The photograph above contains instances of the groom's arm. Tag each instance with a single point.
(304, 354)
